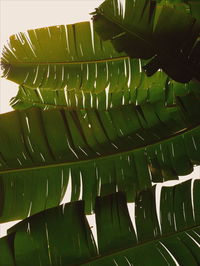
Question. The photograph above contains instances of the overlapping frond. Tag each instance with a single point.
(144, 90)
(42, 150)
(71, 66)
(168, 235)
(142, 29)
(61, 66)
(110, 128)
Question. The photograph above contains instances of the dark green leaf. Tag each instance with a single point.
(119, 242)
(139, 28)
(42, 150)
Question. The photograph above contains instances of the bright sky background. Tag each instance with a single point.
(19, 16)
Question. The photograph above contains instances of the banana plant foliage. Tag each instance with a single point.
(142, 29)
(41, 150)
(109, 133)
(84, 73)
(80, 74)
(109, 117)
(168, 235)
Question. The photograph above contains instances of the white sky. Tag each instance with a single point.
(23, 15)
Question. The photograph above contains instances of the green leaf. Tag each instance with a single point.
(42, 150)
(77, 70)
(192, 6)
(68, 246)
(6, 256)
(70, 57)
(96, 78)
(130, 86)
(139, 28)
(119, 242)
(157, 88)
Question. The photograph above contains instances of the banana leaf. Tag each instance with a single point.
(74, 70)
(168, 235)
(96, 78)
(41, 151)
(70, 57)
(139, 28)
(152, 90)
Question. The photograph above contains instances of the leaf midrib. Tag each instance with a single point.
(104, 60)
(82, 161)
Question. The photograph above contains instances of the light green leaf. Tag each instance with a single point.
(96, 78)
(70, 57)
(77, 70)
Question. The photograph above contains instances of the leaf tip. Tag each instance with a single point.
(5, 68)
